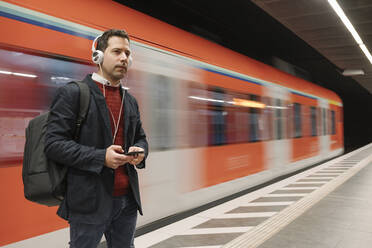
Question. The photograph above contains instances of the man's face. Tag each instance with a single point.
(116, 59)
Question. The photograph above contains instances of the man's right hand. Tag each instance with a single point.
(115, 157)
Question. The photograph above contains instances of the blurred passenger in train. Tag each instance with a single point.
(102, 185)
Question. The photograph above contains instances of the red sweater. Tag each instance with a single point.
(113, 101)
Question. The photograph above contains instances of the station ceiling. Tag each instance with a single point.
(317, 24)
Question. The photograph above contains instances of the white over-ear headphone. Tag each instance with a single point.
(97, 55)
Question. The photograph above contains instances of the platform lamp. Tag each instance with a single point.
(352, 72)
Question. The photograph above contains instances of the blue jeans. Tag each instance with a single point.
(118, 230)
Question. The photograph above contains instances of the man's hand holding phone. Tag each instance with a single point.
(115, 157)
(137, 153)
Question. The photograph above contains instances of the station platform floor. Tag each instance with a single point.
(327, 206)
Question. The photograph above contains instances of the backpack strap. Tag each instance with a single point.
(84, 105)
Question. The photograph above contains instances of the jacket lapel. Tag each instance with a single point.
(101, 105)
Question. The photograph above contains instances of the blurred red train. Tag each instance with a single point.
(217, 121)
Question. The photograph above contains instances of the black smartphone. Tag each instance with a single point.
(133, 153)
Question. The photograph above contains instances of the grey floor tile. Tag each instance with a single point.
(337, 168)
(314, 180)
(305, 185)
(232, 222)
(362, 226)
(361, 180)
(315, 175)
(354, 193)
(256, 209)
(197, 240)
(297, 235)
(280, 241)
(359, 204)
(321, 222)
(355, 240)
(328, 172)
(327, 212)
(331, 171)
(293, 191)
(277, 199)
(341, 165)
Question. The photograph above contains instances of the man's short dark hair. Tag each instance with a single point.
(102, 42)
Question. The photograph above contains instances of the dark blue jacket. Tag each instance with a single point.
(89, 181)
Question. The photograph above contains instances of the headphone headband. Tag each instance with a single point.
(94, 41)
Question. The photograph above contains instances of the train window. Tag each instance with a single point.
(217, 117)
(237, 118)
(27, 84)
(28, 81)
(254, 121)
(290, 120)
(333, 121)
(319, 121)
(339, 114)
(286, 119)
(278, 119)
(232, 117)
(297, 120)
(268, 128)
(198, 115)
(242, 127)
(313, 121)
(324, 121)
(329, 122)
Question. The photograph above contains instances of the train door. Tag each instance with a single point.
(160, 83)
(278, 146)
(324, 140)
(335, 127)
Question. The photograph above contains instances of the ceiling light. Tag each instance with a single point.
(352, 72)
(336, 7)
(366, 52)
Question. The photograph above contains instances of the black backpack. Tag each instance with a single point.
(45, 180)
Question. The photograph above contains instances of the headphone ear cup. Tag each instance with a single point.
(97, 57)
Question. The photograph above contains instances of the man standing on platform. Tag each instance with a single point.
(102, 184)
